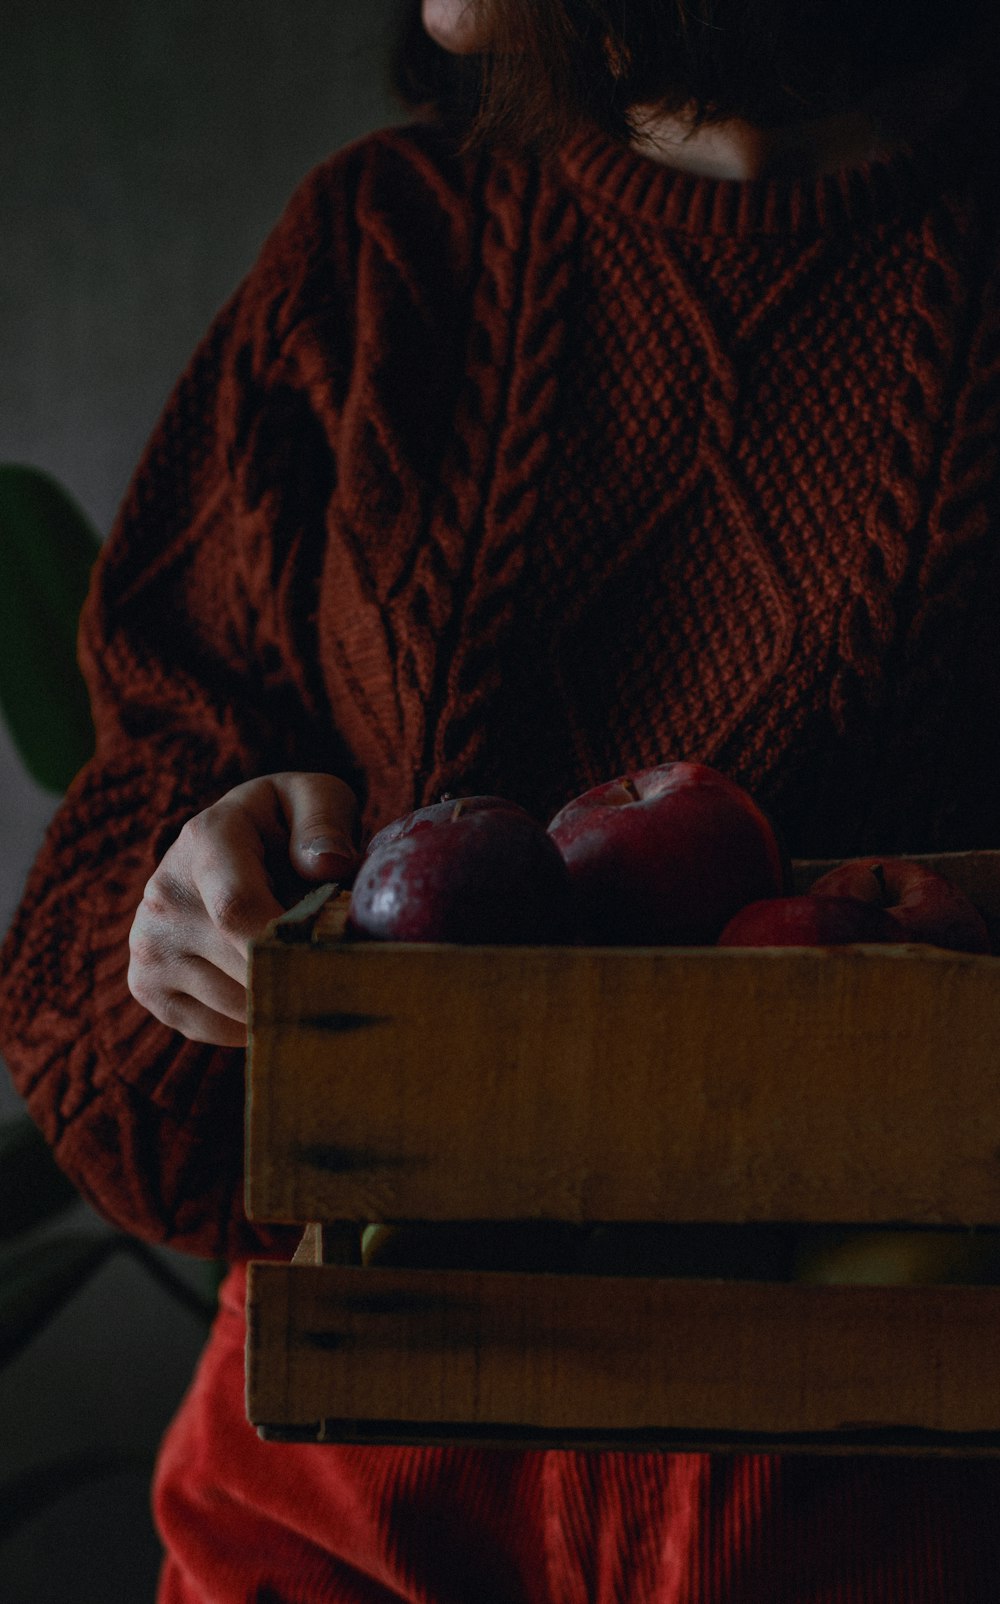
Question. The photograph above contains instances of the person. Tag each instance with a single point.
(638, 399)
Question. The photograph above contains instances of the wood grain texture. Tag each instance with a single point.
(550, 1357)
(561, 1086)
(421, 1082)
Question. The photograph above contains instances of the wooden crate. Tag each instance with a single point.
(599, 1156)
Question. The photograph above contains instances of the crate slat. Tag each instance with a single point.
(551, 1359)
(424, 1082)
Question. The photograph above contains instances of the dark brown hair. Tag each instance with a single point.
(553, 66)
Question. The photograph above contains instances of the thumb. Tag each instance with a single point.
(323, 822)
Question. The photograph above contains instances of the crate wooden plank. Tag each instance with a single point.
(441, 1082)
(359, 1354)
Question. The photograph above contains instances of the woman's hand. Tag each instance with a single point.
(214, 891)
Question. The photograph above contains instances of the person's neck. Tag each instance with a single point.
(736, 149)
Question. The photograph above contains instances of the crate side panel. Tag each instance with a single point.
(579, 1353)
(477, 1083)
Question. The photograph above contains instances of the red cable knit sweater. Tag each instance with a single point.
(505, 476)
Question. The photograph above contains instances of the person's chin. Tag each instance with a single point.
(452, 25)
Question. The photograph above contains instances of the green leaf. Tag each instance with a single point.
(47, 551)
(35, 1283)
(33, 1189)
(33, 1490)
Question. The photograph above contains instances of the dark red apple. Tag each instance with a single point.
(479, 869)
(666, 856)
(438, 813)
(924, 904)
(808, 921)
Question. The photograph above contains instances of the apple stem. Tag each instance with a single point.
(458, 809)
(628, 784)
(879, 873)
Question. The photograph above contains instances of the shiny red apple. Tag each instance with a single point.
(808, 921)
(476, 870)
(443, 812)
(924, 904)
(665, 856)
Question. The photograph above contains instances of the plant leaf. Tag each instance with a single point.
(35, 1283)
(33, 1490)
(47, 551)
(33, 1189)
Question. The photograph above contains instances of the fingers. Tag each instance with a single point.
(205, 983)
(188, 1006)
(212, 895)
(225, 868)
(198, 1023)
(321, 815)
(174, 924)
(189, 942)
(169, 962)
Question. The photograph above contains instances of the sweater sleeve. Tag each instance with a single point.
(195, 686)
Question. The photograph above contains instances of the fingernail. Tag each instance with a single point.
(329, 845)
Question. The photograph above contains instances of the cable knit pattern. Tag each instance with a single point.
(505, 475)
(499, 475)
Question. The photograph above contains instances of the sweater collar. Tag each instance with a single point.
(853, 197)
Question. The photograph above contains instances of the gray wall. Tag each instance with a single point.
(146, 147)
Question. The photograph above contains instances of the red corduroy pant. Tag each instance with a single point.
(243, 1520)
